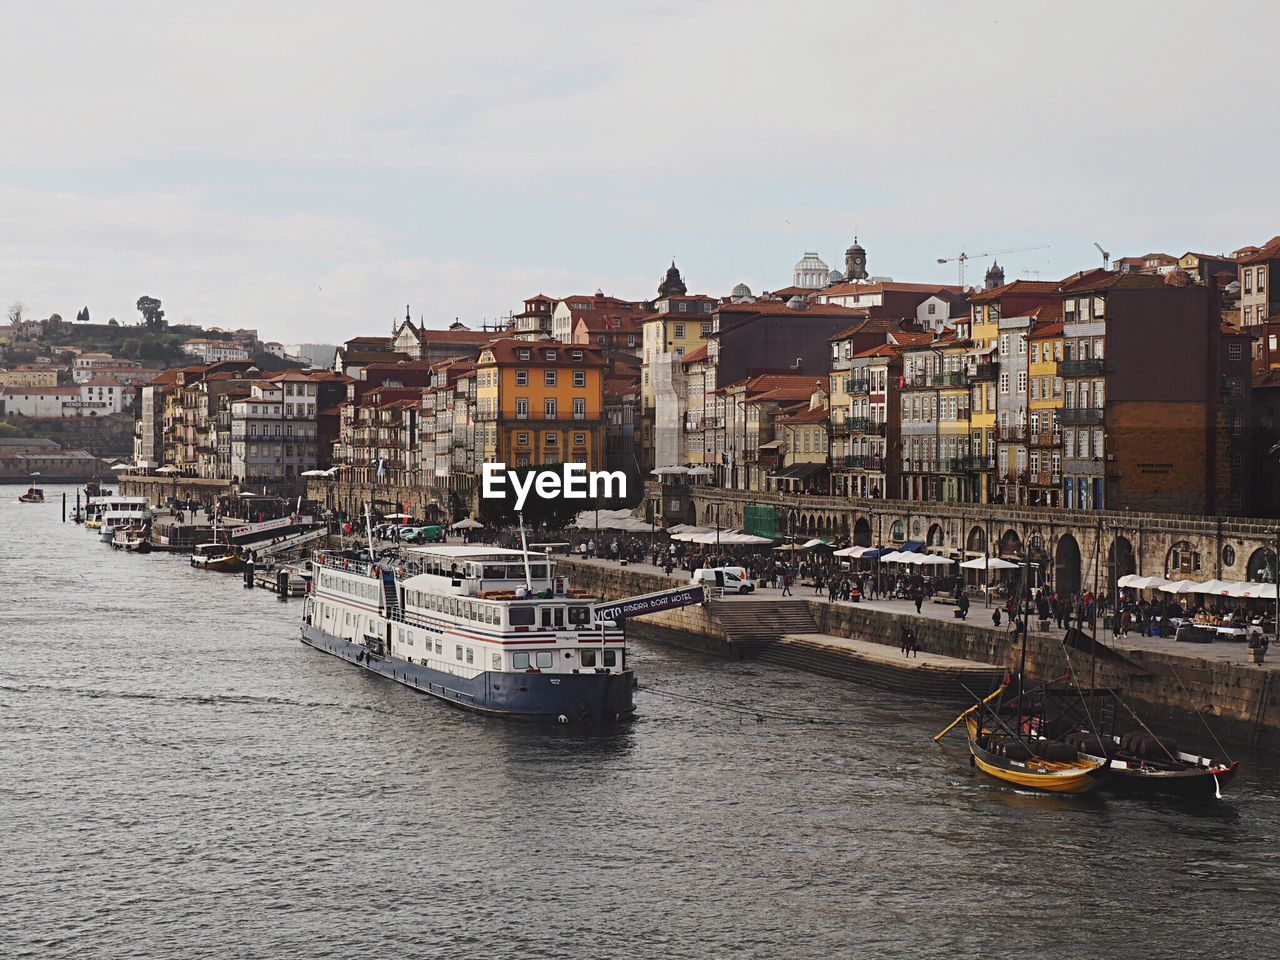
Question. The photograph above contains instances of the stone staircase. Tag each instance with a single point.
(942, 683)
(752, 626)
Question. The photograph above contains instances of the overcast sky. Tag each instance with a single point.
(310, 168)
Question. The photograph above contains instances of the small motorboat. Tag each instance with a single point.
(216, 556)
(33, 495)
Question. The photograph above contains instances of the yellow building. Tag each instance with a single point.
(952, 382)
(30, 375)
(806, 443)
(540, 403)
(1044, 401)
(984, 332)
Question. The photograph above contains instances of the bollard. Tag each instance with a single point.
(64, 508)
(282, 583)
(248, 575)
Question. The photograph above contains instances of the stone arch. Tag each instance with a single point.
(976, 542)
(862, 532)
(935, 536)
(1183, 561)
(1010, 544)
(1066, 567)
(691, 515)
(709, 515)
(1262, 566)
(1120, 561)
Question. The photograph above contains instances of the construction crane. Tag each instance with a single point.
(962, 258)
(1106, 256)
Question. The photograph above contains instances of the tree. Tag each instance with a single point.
(17, 310)
(83, 315)
(113, 322)
(152, 315)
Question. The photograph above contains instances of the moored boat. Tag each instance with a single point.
(1032, 764)
(33, 495)
(221, 557)
(483, 628)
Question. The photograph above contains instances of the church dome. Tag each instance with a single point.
(673, 284)
(741, 290)
(810, 273)
(835, 277)
(797, 303)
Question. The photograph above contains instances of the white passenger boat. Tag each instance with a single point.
(484, 628)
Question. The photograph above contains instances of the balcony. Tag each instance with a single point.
(951, 378)
(862, 462)
(920, 466)
(1079, 415)
(1082, 368)
(1045, 479)
(1051, 439)
(841, 428)
(712, 423)
(1015, 431)
(859, 385)
(976, 464)
(916, 381)
(986, 371)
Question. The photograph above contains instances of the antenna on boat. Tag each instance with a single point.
(524, 550)
(368, 529)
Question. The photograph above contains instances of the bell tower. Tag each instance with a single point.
(855, 262)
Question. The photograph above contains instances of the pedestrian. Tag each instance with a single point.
(904, 639)
(786, 584)
(963, 604)
(995, 616)
(919, 601)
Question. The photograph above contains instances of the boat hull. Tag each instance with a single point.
(1197, 783)
(1081, 777)
(227, 564)
(26, 499)
(581, 699)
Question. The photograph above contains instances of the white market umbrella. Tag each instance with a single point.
(395, 516)
(1178, 586)
(893, 556)
(314, 473)
(1254, 591)
(1213, 587)
(933, 560)
(701, 472)
(749, 540)
(167, 469)
(1135, 582)
(468, 524)
(988, 563)
(849, 552)
(123, 466)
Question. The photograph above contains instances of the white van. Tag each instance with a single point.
(733, 579)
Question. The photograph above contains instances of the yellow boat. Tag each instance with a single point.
(1024, 769)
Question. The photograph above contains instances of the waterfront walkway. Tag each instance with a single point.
(1223, 651)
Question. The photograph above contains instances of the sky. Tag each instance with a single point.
(309, 169)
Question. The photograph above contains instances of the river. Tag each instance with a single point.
(183, 778)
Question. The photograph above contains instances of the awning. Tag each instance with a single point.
(911, 546)
(772, 445)
(800, 471)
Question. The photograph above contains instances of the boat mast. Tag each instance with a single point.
(368, 529)
(524, 550)
(1022, 613)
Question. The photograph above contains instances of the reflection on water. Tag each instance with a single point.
(183, 778)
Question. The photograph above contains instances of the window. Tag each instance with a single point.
(471, 655)
(552, 354)
(1004, 348)
(545, 659)
(679, 329)
(522, 378)
(520, 616)
(520, 661)
(1004, 383)
(610, 658)
(522, 438)
(579, 378)
(1262, 279)
(579, 439)
(579, 408)
(706, 329)
(1248, 281)
(551, 439)
(524, 354)
(1235, 351)
(549, 408)
(1022, 381)
(457, 652)
(549, 378)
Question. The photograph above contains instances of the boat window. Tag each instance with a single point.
(545, 658)
(497, 661)
(587, 657)
(579, 614)
(559, 615)
(493, 571)
(457, 652)
(538, 571)
(439, 646)
(546, 616)
(519, 661)
(471, 655)
(520, 616)
(611, 658)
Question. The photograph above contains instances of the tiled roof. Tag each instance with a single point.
(693, 356)
(890, 286)
(44, 391)
(1269, 251)
(1047, 331)
(507, 351)
(1121, 281)
(1016, 287)
(817, 414)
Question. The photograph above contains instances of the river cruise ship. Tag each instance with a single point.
(484, 628)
